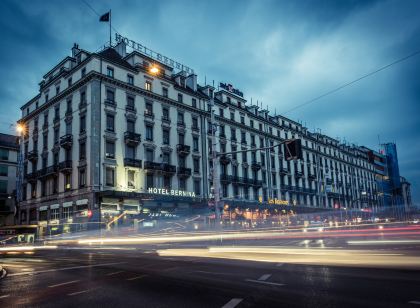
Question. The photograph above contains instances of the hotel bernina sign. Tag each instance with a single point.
(170, 192)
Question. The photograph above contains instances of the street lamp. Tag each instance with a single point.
(154, 70)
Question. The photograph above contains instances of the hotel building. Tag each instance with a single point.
(118, 131)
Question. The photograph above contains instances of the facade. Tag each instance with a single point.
(8, 170)
(114, 132)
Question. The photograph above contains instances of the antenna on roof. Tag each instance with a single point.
(205, 80)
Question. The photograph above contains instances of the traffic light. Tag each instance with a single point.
(293, 149)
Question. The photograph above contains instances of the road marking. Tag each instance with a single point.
(114, 273)
(137, 277)
(64, 269)
(264, 277)
(279, 264)
(215, 273)
(4, 296)
(80, 292)
(414, 302)
(265, 282)
(63, 284)
(233, 303)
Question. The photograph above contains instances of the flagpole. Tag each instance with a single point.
(110, 42)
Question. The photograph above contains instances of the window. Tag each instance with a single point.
(243, 137)
(242, 119)
(83, 72)
(165, 136)
(57, 90)
(83, 97)
(67, 181)
(182, 184)
(148, 85)
(165, 92)
(149, 132)
(166, 158)
(56, 135)
(149, 155)
(180, 98)
(67, 212)
(149, 109)
(195, 144)
(3, 170)
(3, 186)
(130, 152)
(45, 141)
(82, 124)
(197, 185)
(195, 123)
(55, 214)
(110, 95)
(69, 82)
(194, 102)
(110, 176)
(196, 163)
(181, 138)
(221, 113)
(229, 100)
(244, 157)
(233, 134)
(110, 123)
(130, 102)
(82, 177)
(82, 150)
(110, 72)
(4, 154)
(130, 79)
(110, 149)
(46, 97)
(167, 182)
(232, 116)
(180, 118)
(149, 180)
(130, 179)
(165, 114)
(131, 126)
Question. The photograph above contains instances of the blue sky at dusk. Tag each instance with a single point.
(281, 53)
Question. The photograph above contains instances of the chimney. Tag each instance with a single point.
(121, 48)
(75, 50)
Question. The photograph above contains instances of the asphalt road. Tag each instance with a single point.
(133, 277)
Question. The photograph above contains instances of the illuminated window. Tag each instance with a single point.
(110, 177)
(131, 179)
(148, 85)
(110, 72)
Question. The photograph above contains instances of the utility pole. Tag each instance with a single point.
(215, 174)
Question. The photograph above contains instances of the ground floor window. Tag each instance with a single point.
(67, 212)
(149, 181)
(131, 179)
(197, 189)
(67, 181)
(110, 176)
(55, 214)
(43, 215)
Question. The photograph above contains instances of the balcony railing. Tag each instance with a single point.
(255, 165)
(33, 176)
(224, 178)
(195, 128)
(298, 174)
(183, 149)
(69, 112)
(130, 108)
(131, 162)
(149, 113)
(66, 141)
(164, 167)
(166, 119)
(183, 171)
(110, 102)
(224, 159)
(48, 171)
(33, 155)
(254, 182)
(180, 124)
(65, 166)
(283, 170)
(132, 138)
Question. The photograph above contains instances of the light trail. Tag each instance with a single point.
(384, 242)
(26, 248)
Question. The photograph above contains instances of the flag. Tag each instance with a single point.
(104, 17)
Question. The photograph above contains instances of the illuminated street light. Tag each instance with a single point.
(20, 128)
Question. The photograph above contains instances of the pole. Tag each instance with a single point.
(216, 191)
(110, 26)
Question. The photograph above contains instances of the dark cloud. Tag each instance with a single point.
(281, 53)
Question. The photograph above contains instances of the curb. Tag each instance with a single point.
(3, 272)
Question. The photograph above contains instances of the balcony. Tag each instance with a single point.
(311, 176)
(184, 172)
(210, 131)
(254, 182)
(56, 120)
(195, 128)
(224, 159)
(253, 145)
(222, 135)
(284, 171)
(32, 177)
(44, 172)
(298, 174)
(149, 113)
(130, 108)
(131, 162)
(33, 155)
(285, 187)
(243, 141)
(180, 124)
(166, 119)
(163, 167)
(255, 165)
(132, 138)
(109, 102)
(66, 141)
(65, 166)
(224, 178)
(69, 112)
(83, 105)
(183, 149)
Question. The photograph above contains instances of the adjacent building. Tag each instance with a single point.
(116, 131)
(8, 170)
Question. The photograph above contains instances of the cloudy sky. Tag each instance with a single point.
(281, 53)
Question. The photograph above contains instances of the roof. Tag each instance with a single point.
(112, 55)
(9, 141)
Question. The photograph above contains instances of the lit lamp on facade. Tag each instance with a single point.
(154, 70)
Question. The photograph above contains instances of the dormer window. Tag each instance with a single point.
(228, 100)
(130, 79)
(57, 90)
(180, 98)
(69, 82)
(110, 72)
(83, 72)
(165, 92)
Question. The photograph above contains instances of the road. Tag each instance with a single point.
(137, 276)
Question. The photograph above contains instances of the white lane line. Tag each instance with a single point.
(279, 264)
(265, 282)
(80, 292)
(63, 284)
(233, 303)
(137, 277)
(4, 296)
(414, 302)
(264, 277)
(215, 273)
(114, 273)
(64, 269)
